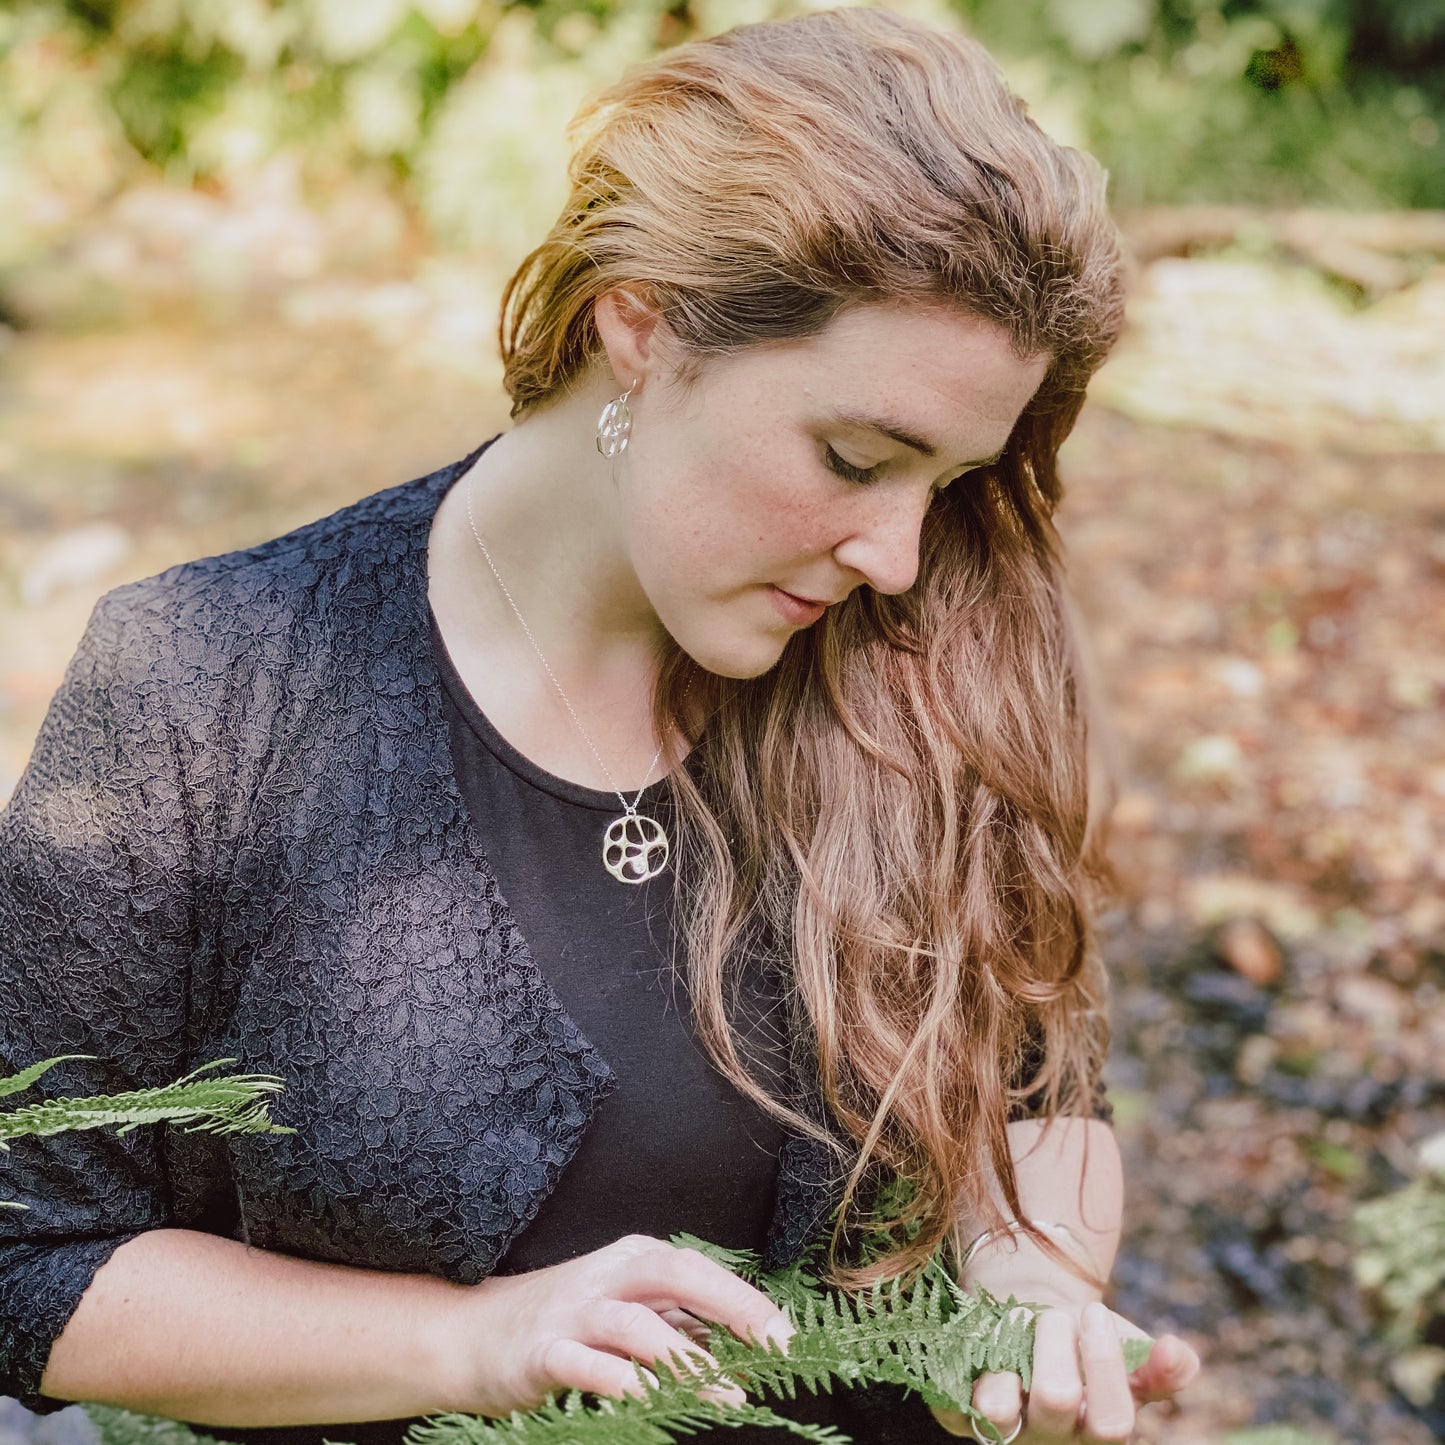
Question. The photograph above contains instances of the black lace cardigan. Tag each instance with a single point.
(240, 836)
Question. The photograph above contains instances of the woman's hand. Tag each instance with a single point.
(512, 1340)
(1079, 1389)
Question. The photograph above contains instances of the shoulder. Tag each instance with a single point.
(294, 572)
(279, 599)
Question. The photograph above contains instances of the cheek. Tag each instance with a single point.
(738, 523)
(775, 506)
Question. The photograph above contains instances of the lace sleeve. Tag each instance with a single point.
(97, 931)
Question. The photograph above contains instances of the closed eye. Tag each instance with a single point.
(846, 470)
(864, 475)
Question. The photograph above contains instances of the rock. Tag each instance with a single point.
(1418, 1373)
(1247, 946)
(1431, 1153)
(1227, 998)
(1377, 1002)
(1257, 1055)
(1216, 756)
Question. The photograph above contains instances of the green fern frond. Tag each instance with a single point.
(1136, 1352)
(1402, 1256)
(788, 1288)
(669, 1408)
(920, 1339)
(229, 1105)
(743, 1262)
(1278, 1435)
(931, 1338)
(26, 1077)
(233, 1105)
(115, 1426)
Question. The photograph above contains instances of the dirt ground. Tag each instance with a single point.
(1256, 522)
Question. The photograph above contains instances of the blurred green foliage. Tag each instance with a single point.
(461, 103)
(1402, 1249)
(1274, 102)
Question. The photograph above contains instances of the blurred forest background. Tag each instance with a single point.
(250, 255)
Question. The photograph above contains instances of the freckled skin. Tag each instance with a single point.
(725, 490)
(722, 491)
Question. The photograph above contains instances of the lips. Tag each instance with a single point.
(794, 610)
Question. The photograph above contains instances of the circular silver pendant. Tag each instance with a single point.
(634, 848)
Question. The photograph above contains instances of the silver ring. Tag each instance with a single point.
(1010, 1437)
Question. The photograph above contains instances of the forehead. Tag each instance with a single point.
(949, 377)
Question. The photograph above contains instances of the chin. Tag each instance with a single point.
(742, 674)
(738, 663)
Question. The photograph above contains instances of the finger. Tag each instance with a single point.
(695, 1329)
(571, 1365)
(1001, 1398)
(1056, 1389)
(687, 1279)
(636, 1332)
(632, 1329)
(955, 1422)
(952, 1421)
(1171, 1365)
(1109, 1403)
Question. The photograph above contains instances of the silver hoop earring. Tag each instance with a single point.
(614, 426)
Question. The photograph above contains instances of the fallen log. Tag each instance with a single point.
(1375, 251)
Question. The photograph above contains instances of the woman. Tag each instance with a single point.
(759, 597)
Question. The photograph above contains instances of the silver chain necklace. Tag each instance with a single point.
(634, 846)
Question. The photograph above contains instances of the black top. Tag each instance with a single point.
(675, 1147)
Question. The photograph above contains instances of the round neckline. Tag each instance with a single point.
(600, 800)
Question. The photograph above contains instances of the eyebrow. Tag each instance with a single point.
(886, 427)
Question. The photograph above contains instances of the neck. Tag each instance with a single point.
(546, 510)
(544, 505)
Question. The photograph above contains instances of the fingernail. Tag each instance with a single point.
(780, 1331)
(993, 1400)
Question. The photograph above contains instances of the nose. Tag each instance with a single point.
(883, 545)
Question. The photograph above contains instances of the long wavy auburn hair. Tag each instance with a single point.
(908, 804)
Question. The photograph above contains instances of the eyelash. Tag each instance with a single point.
(862, 475)
(846, 470)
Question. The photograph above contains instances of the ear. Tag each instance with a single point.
(632, 332)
